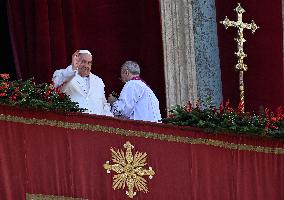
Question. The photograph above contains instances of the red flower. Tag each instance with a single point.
(240, 108)
(188, 107)
(227, 107)
(57, 90)
(227, 103)
(5, 85)
(5, 76)
(280, 113)
(2, 94)
(221, 107)
(230, 109)
(60, 94)
(274, 119)
(47, 93)
(274, 127)
(14, 97)
(266, 111)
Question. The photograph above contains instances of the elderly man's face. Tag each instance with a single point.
(124, 74)
(85, 65)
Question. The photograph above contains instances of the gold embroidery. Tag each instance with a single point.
(129, 170)
(148, 135)
(49, 197)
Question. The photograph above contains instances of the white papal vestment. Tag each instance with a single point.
(87, 91)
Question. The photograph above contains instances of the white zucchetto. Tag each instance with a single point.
(85, 51)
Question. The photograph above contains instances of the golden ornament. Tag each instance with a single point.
(129, 170)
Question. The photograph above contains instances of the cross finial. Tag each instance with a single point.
(240, 25)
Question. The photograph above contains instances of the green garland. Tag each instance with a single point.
(28, 94)
(45, 96)
(226, 119)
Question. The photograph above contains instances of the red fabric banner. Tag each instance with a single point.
(63, 155)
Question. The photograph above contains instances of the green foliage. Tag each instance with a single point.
(28, 94)
(227, 119)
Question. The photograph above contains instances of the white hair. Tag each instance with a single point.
(132, 67)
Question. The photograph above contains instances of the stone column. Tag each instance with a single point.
(191, 59)
(207, 51)
(179, 55)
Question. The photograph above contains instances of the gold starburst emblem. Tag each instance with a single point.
(129, 170)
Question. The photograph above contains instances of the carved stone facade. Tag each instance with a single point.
(191, 60)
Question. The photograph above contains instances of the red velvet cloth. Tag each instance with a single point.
(46, 33)
(264, 80)
(43, 159)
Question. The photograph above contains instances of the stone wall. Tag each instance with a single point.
(191, 59)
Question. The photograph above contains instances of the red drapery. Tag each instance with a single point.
(264, 80)
(63, 155)
(46, 33)
(6, 58)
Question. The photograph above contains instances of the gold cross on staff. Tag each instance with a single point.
(241, 67)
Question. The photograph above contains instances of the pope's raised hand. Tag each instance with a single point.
(75, 60)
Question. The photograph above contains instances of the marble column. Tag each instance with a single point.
(191, 60)
(179, 53)
(207, 60)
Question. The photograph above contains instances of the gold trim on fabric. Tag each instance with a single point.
(129, 170)
(49, 197)
(148, 135)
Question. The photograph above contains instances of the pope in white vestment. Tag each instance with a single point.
(82, 86)
(136, 101)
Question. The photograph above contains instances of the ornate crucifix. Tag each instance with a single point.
(240, 25)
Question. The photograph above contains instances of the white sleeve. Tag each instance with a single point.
(63, 75)
(129, 96)
(107, 108)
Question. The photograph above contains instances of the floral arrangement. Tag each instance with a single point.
(227, 119)
(28, 94)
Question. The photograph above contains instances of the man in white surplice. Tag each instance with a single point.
(136, 101)
(81, 85)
